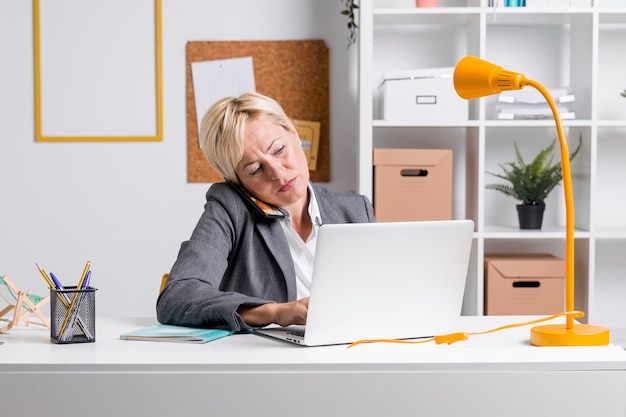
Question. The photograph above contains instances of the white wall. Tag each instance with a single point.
(127, 206)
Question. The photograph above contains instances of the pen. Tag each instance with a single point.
(87, 279)
(57, 283)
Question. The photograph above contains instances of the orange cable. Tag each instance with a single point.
(461, 336)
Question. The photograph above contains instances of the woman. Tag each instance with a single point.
(249, 260)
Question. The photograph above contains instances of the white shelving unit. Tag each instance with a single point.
(580, 47)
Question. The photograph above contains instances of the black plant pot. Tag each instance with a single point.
(530, 216)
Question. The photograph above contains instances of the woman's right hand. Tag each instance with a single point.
(283, 314)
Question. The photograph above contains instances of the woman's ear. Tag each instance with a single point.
(296, 135)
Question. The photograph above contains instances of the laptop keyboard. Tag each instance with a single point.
(299, 333)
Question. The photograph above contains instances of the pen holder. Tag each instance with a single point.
(73, 315)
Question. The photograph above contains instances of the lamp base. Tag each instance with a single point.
(577, 335)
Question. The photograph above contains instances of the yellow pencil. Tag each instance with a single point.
(71, 307)
(45, 276)
(51, 284)
(82, 278)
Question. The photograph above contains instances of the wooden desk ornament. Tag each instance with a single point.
(24, 303)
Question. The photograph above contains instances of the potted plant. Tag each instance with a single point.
(531, 183)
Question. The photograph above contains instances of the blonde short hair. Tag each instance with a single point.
(223, 128)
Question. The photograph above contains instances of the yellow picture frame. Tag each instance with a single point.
(309, 132)
(41, 137)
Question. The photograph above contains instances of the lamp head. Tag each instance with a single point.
(474, 78)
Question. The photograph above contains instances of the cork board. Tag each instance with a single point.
(294, 73)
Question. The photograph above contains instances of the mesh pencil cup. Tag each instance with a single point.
(73, 315)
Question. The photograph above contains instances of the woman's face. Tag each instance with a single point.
(274, 167)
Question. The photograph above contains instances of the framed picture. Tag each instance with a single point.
(98, 70)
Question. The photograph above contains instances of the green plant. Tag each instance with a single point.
(350, 8)
(531, 183)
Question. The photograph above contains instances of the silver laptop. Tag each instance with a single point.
(394, 280)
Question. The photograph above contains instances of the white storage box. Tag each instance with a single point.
(426, 94)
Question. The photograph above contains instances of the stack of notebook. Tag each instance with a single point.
(530, 104)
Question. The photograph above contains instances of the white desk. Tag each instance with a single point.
(498, 374)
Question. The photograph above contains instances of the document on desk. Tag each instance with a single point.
(178, 334)
(215, 79)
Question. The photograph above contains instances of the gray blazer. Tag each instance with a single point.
(236, 256)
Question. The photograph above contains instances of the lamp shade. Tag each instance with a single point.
(474, 78)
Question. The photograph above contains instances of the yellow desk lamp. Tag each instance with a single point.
(474, 78)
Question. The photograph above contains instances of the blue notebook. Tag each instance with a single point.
(168, 333)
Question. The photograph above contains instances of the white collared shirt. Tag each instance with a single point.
(303, 253)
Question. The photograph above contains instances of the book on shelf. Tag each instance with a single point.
(533, 113)
(532, 96)
(178, 334)
(530, 104)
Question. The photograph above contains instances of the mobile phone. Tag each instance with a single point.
(266, 210)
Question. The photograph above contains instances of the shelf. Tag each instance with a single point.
(576, 47)
(612, 232)
(612, 16)
(499, 16)
(504, 232)
(430, 16)
(535, 123)
(425, 123)
(612, 123)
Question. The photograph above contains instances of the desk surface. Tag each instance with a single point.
(30, 347)
(488, 375)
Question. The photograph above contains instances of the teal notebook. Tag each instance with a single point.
(168, 333)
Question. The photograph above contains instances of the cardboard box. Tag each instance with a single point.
(524, 284)
(426, 94)
(412, 184)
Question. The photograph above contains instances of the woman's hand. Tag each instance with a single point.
(283, 314)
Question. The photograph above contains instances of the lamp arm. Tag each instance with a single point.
(569, 203)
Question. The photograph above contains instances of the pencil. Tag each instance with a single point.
(82, 277)
(73, 303)
(45, 276)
